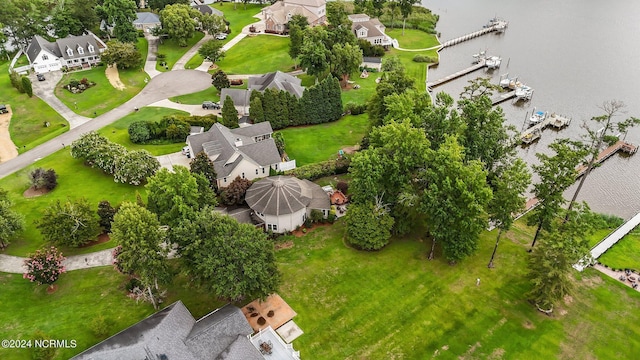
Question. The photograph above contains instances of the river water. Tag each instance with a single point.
(576, 54)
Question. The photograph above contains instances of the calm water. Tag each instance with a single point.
(576, 54)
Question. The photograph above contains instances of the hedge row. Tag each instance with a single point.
(321, 169)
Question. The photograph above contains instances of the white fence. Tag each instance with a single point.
(287, 165)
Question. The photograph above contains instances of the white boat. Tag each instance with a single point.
(478, 56)
(537, 117)
(493, 62)
(524, 92)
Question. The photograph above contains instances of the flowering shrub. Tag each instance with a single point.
(44, 266)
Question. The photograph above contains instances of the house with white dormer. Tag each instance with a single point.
(248, 152)
(72, 52)
(370, 29)
(278, 15)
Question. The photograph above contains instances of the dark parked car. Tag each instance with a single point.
(211, 105)
(3, 109)
(40, 77)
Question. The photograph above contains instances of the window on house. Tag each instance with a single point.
(263, 170)
(276, 166)
(275, 227)
(269, 227)
(256, 171)
(90, 48)
(45, 57)
(225, 179)
(69, 52)
(76, 60)
(243, 175)
(80, 50)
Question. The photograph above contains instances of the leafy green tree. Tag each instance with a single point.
(43, 179)
(120, 14)
(23, 19)
(11, 222)
(160, 4)
(202, 164)
(220, 80)
(176, 195)
(314, 56)
(550, 264)
(345, 59)
(178, 22)
(393, 81)
(556, 174)
(44, 266)
(212, 23)
(278, 138)
(72, 223)
(139, 132)
(455, 199)
(126, 55)
(212, 51)
(368, 226)
(107, 157)
(234, 261)
(143, 249)
(26, 86)
(606, 123)
(229, 113)
(256, 111)
(69, 17)
(234, 193)
(378, 6)
(509, 185)
(86, 147)
(135, 167)
(441, 120)
(106, 212)
(41, 352)
(297, 25)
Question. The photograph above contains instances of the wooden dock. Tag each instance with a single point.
(620, 145)
(500, 98)
(499, 26)
(431, 84)
(535, 132)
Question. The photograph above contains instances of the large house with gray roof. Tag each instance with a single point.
(274, 80)
(285, 202)
(146, 21)
(277, 16)
(72, 52)
(247, 152)
(173, 334)
(370, 29)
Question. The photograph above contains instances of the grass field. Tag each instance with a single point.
(194, 62)
(413, 39)
(197, 98)
(118, 131)
(103, 97)
(258, 55)
(395, 304)
(239, 17)
(364, 93)
(625, 254)
(74, 180)
(173, 52)
(313, 143)
(27, 127)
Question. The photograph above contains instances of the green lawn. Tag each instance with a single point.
(27, 127)
(625, 254)
(413, 39)
(103, 97)
(22, 61)
(364, 93)
(173, 51)
(81, 296)
(313, 143)
(239, 17)
(258, 55)
(74, 180)
(197, 98)
(194, 62)
(395, 304)
(118, 131)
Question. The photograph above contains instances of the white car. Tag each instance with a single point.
(221, 36)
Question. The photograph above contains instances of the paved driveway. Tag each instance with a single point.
(163, 86)
(45, 90)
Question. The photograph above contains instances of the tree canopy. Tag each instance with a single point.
(126, 55)
(212, 51)
(120, 14)
(11, 222)
(72, 223)
(178, 22)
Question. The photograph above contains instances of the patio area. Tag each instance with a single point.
(274, 312)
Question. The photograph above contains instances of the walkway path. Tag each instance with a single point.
(15, 264)
(150, 63)
(616, 275)
(179, 65)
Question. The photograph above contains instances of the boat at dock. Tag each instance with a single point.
(478, 57)
(537, 117)
(493, 62)
(509, 83)
(524, 93)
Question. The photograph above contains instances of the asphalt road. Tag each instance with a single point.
(163, 86)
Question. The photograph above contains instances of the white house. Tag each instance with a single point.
(370, 29)
(285, 202)
(247, 152)
(71, 52)
(278, 15)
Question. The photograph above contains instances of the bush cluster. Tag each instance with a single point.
(423, 58)
(43, 179)
(369, 49)
(77, 86)
(355, 109)
(173, 128)
(318, 170)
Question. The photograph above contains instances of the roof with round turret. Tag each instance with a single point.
(281, 195)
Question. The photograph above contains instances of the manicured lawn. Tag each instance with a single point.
(396, 304)
(74, 180)
(413, 39)
(194, 62)
(364, 93)
(414, 70)
(173, 51)
(625, 254)
(197, 98)
(313, 143)
(22, 61)
(103, 97)
(118, 131)
(239, 17)
(27, 127)
(81, 297)
(258, 55)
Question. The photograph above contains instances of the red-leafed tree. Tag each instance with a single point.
(44, 266)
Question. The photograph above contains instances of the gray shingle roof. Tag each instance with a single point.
(174, 333)
(74, 42)
(277, 80)
(146, 18)
(240, 97)
(38, 43)
(280, 195)
(219, 143)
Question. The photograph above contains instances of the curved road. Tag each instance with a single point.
(163, 86)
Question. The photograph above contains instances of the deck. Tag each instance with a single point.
(620, 145)
(535, 132)
(481, 63)
(500, 26)
(500, 98)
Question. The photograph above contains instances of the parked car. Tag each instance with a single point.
(221, 36)
(186, 151)
(211, 105)
(40, 77)
(3, 109)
